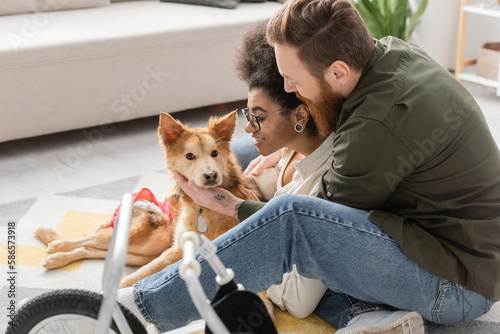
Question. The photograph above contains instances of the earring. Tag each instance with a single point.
(297, 128)
(340, 85)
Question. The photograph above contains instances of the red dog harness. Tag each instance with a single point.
(146, 194)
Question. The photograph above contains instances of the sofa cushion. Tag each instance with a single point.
(13, 7)
(214, 3)
(230, 4)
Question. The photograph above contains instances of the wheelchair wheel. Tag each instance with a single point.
(66, 311)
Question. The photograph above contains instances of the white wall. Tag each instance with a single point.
(437, 32)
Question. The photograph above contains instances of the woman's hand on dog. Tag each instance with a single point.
(217, 199)
(261, 163)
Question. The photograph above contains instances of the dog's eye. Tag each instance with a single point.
(215, 153)
(190, 156)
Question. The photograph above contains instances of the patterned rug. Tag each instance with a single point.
(74, 215)
(79, 213)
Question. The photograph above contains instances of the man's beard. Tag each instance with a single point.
(325, 111)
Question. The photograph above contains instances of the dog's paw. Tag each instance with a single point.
(52, 261)
(268, 304)
(57, 246)
(126, 283)
(270, 310)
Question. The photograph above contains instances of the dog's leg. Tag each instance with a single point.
(108, 223)
(135, 260)
(100, 240)
(57, 260)
(168, 257)
(268, 304)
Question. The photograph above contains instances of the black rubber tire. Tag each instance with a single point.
(59, 303)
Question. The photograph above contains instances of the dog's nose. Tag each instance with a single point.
(210, 176)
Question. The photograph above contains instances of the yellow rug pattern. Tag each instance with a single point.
(286, 323)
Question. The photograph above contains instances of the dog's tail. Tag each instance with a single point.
(46, 235)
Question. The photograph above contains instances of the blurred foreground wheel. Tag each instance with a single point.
(66, 311)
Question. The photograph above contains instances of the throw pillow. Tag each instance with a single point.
(229, 4)
(13, 7)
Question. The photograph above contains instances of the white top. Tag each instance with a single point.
(308, 171)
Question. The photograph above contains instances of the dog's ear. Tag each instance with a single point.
(169, 129)
(224, 126)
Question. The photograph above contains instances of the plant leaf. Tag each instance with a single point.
(415, 17)
(390, 17)
(399, 18)
(371, 15)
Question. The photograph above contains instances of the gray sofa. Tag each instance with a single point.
(71, 69)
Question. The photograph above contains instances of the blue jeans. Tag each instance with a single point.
(363, 267)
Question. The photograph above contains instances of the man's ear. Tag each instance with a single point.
(169, 129)
(224, 126)
(338, 73)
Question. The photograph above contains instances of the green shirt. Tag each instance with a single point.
(412, 145)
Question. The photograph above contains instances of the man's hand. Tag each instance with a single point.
(217, 199)
(261, 163)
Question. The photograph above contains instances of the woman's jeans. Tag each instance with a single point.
(363, 267)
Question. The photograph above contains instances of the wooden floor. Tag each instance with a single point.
(78, 159)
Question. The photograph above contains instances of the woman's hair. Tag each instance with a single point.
(255, 64)
(323, 31)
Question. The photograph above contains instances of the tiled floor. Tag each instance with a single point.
(83, 158)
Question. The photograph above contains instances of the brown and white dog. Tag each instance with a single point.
(201, 154)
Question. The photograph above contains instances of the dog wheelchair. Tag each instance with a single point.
(87, 312)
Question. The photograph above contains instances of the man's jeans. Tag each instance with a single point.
(362, 266)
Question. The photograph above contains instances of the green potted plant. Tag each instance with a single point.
(390, 17)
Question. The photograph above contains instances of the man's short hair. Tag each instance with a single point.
(323, 31)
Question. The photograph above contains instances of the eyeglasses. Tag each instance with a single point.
(254, 120)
